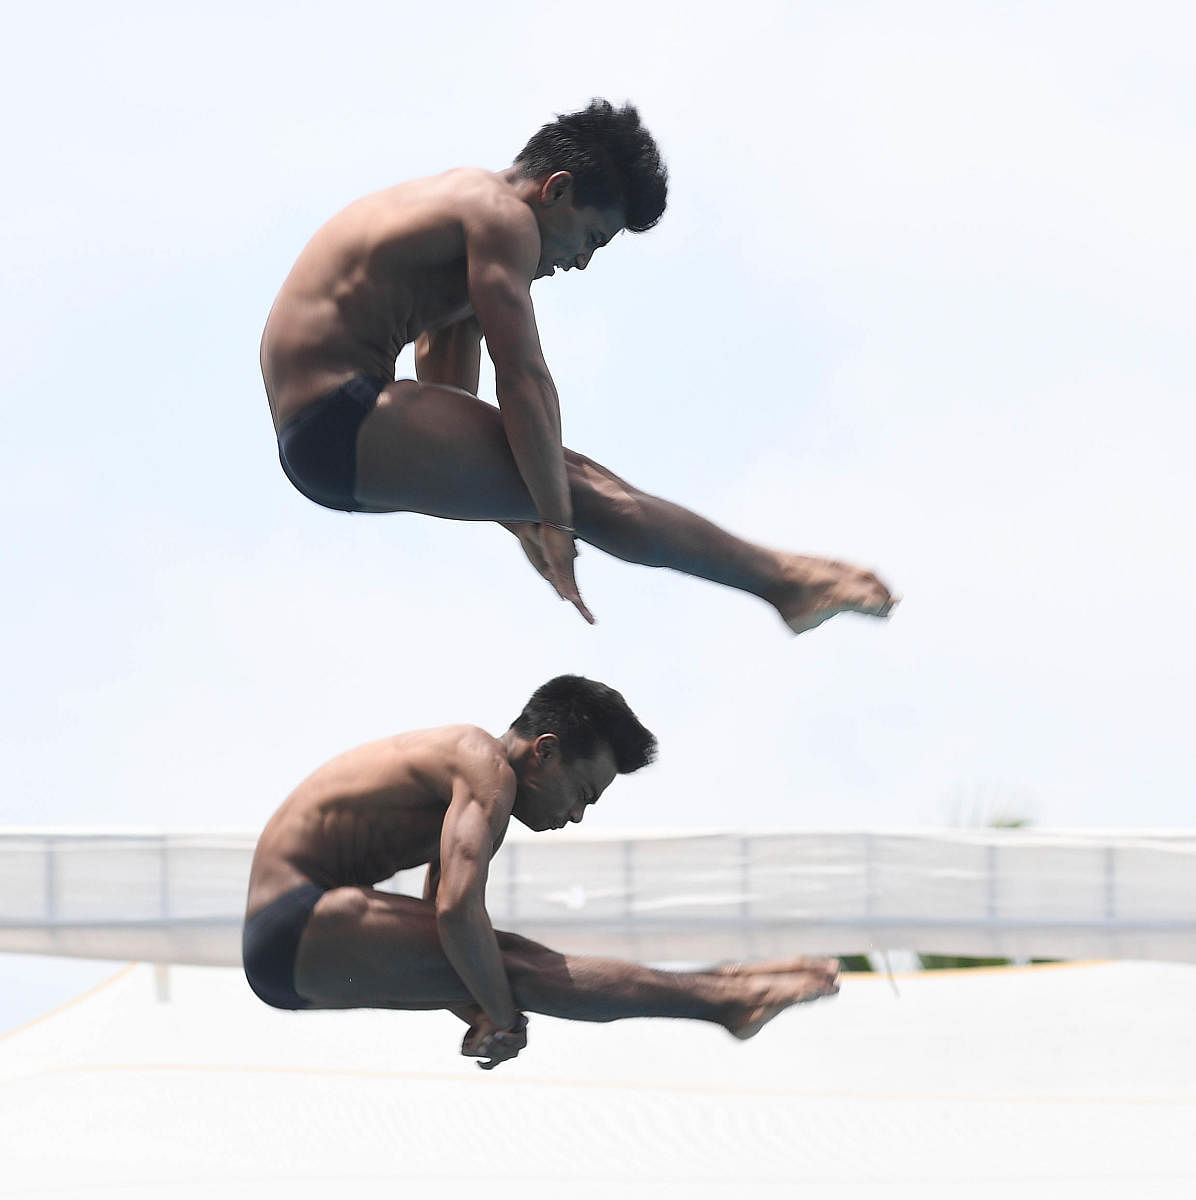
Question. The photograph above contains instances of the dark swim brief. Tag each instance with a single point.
(269, 942)
(318, 446)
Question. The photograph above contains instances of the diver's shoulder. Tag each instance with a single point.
(475, 753)
(472, 739)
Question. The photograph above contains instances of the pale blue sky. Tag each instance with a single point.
(923, 299)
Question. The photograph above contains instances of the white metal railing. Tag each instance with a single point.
(179, 897)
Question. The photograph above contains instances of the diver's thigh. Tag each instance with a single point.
(441, 451)
(363, 948)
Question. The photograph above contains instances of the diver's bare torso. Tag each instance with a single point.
(372, 811)
(446, 262)
(386, 269)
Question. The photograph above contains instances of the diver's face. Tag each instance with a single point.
(553, 793)
(570, 234)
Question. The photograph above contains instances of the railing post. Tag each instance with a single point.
(745, 879)
(51, 882)
(628, 881)
(869, 874)
(991, 864)
(163, 879)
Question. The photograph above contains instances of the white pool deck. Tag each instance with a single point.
(1054, 1082)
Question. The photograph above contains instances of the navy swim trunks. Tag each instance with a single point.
(269, 941)
(318, 446)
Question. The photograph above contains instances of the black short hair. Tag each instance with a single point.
(613, 159)
(583, 713)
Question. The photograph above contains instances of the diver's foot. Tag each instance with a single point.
(772, 994)
(817, 589)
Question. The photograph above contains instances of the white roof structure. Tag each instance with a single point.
(1052, 1082)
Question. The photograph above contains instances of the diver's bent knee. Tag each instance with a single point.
(341, 909)
(514, 943)
(409, 391)
(401, 392)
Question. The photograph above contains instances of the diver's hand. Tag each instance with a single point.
(558, 573)
(528, 533)
(486, 1040)
(559, 550)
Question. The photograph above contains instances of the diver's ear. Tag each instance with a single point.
(557, 187)
(546, 747)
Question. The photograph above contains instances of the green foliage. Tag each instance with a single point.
(953, 962)
(856, 964)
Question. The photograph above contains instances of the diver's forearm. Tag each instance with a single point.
(468, 941)
(532, 422)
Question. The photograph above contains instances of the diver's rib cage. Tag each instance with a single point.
(179, 897)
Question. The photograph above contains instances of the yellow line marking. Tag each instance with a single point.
(931, 973)
(54, 1012)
